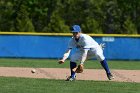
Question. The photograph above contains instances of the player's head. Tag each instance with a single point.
(76, 30)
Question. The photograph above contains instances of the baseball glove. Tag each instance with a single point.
(79, 69)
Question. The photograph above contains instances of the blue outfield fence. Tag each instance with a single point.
(53, 46)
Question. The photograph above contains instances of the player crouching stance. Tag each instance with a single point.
(87, 48)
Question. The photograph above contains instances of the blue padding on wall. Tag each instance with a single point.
(32, 46)
(28, 46)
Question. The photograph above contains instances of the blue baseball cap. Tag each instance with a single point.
(75, 28)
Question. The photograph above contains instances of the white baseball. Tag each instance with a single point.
(33, 70)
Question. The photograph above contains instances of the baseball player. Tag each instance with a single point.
(87, 48)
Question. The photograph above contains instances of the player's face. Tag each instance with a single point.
(76, 35)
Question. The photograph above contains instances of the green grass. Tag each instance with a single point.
(26, 85)
(52, 63)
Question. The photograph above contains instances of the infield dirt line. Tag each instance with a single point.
(62, 73)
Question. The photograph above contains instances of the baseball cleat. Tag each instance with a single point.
(71, 78)
(110, 76)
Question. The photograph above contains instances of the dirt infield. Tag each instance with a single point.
(63, 73)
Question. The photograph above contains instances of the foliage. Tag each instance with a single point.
(94, 16)
(5, 15)
(91, 26)
(130, 27)
(56, 25)
(22, 21)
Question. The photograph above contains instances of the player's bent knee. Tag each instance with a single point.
(100, 58)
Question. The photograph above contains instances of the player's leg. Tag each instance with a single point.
(99, 55)
(74, 58)
(105, 66)
(73, 65)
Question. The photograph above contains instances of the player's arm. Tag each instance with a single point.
(65, 56)
(84, 56)
(80, 67)
(86, 47)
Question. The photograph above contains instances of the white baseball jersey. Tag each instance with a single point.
(84, 42)
(87, 48)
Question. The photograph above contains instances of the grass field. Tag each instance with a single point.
(25, 85)
(52, 63)
(28, 85)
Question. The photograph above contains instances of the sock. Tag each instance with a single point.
(105, 66)
(72, 65)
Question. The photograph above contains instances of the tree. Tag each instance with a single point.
(129, 27)
(22, 21)
(104, 16)
(6, 12)
(56, 25)
(91, 26)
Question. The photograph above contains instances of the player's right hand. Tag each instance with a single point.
(102, 45)
(61, 61)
